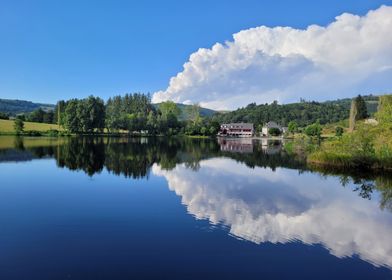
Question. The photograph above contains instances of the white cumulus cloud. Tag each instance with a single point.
(352, 55)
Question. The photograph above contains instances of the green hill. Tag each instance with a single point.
(304, 112)
(14, 107)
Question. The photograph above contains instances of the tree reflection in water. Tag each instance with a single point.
(134, 157)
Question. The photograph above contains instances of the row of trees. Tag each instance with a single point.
(39, 115)
(133, 113)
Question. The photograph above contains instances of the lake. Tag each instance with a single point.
(181, 208)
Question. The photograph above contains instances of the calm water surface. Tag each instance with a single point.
(112, 208)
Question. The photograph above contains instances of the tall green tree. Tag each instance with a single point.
(169, 108)
(71, 121)
(362, 112)
(384, 114)
(18, 126)
(293, 127)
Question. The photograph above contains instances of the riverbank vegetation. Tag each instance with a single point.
(365, 145)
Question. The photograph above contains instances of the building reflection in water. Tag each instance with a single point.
(236, 145)
(246, 145)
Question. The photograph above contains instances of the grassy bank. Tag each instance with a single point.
(7, 127)
(367, 147)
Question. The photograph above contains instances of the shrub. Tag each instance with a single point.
(339, 131)
(274, 131)
(313, 130)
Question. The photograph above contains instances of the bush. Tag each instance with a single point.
(52, 132)
(339, 131)
(313, 130)
(274, 131)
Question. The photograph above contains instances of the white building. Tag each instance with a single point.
(268, 126)
(236, 130)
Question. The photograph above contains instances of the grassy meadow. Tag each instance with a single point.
(7, 127)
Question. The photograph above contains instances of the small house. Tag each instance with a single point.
(268, 126)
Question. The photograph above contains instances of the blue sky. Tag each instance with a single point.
(51, 50)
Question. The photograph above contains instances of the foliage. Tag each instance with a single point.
(84, 115)
(41, 116)
(339, 131)
(313, 130)
(169, 108)
(18, 126)
(4, 116)
(303, 113)
(361, 108)
(129, 112)
(358, 111)
(368, 146)
(274, 131)
(293, 127)
(384, 114)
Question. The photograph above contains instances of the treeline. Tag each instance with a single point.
(39, 116)
(131, 113)
(303, 113)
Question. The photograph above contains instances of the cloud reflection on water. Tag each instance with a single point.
(261, 205)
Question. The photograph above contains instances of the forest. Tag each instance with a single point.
(303, 113)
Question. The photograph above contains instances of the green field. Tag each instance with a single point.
(7, 126)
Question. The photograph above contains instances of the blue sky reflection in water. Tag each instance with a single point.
(187, 215)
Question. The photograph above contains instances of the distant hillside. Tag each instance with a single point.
(204, 112)
(14, 107)
(304, 113)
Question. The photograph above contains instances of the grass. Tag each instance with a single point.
(7, 127)
(367, 147)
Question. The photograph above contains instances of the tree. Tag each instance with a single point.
(292, 127)
(274, 131)
(384, 114)
(193, 113)
(72, 122)
(358, 111)
(151, 122)
(339, 131)
(59, 113)
(48, 117)
(313, 130)
(362, 112)
(94, 112)
(18, 126)
(353, 115)
(37, 116)
(4, 116)
(169, 108)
